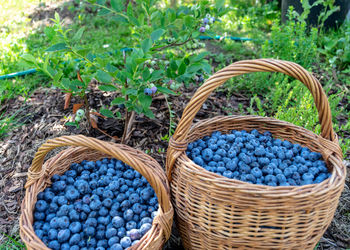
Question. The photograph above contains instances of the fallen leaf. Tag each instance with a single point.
(67, 100)
(77, 106)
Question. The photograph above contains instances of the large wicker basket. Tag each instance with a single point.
(215, 212)
(86, 148)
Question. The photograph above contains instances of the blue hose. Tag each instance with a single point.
(31, 71)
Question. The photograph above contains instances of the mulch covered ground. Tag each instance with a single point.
(43, 118)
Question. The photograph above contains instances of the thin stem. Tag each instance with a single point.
(171, 116)
(87, 109)
(127, 118)
(174, 44)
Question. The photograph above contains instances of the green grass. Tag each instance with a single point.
(11, 243)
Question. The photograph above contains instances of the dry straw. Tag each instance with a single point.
(91, 149)
(215, 212)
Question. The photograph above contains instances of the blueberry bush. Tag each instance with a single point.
(145, 66)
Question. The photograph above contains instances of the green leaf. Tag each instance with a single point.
(146, 45)
(72, 124)
(129, 10)
(189, 21)
(200, 56)
(83, 51)
(195, 34)
(148, 113)
(157, 34)
(156, 75)
(107, 87)
(50, 32)
(165, 90)
(173, 65)
(182, 68)
(131, 92)
(145, 74)
(107, 113)
(103, 76)
(65, 83)
(220, 3)
(79, 34)
(145, 100)
(118, 100)
(110, 68)
(57, 47)
(57, 77)
(117, 5)
(29, 58)
(193, 68)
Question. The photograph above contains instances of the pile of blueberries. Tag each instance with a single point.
(258, 158)
(95, 205)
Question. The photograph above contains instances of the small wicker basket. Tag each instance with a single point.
(215, 212)
(91, 149)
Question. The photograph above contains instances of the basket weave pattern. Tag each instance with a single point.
(91, 149)
(214, 212)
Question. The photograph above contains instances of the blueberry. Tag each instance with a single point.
(256, 172)
(260, 151)
(198, 160)
(125, 242)
(308, 176)
(207, 154)
(48, 195)
(82, 186)
(95, 205)
(74, 240)
(228, 174)
(102, 244)
(116, 246)
(130, 225)
(288, 172)
(41, 206)
(113, 240)
(267, 170)
(54, 245)
(145, 227)
(111, 232)
(250, 178)
(58, 186)
(121, 232)
(153, 201)
(89, 231)
(52, 234)
(118, 222)
(281, 178)
(62, 200)
(91, 243)
(63, 222)
(75, 227)
(74, 215)
(39, 216)
(270, 178)
(92, 222)
(232, 165)
(63, 235)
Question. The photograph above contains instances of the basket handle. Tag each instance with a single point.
(154, 175)
(178, 143)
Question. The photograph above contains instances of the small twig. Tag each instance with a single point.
(126, 109)
(174, 44)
